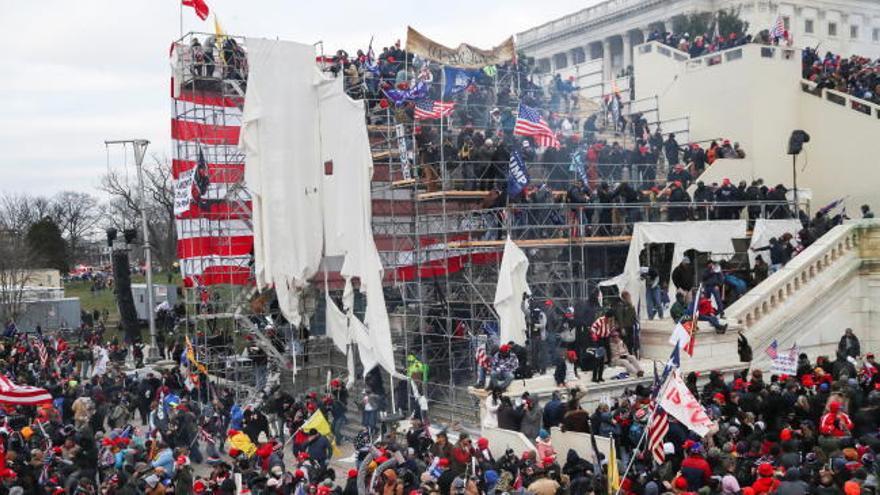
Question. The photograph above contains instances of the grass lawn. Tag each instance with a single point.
(105, 299)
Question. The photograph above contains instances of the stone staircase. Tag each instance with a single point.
(832, 285)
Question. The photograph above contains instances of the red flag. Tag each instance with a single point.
(691, 328)
(199, 6)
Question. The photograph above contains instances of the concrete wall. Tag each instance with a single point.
(753, 95)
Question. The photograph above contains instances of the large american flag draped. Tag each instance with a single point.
(430, 109)
(215, 235)
(530, 123)
(659, 422)
(21, 395)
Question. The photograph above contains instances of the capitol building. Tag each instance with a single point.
(610, 29)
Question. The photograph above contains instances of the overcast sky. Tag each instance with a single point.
(77, 72)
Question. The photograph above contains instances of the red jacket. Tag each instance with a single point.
(835, 424)
(765, 484)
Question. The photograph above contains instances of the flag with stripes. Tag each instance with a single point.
(482, 357)
(41, 351)
(214, 231)
(602, 327)
(659, 423)
(773, 349)
(530, 123)
(21, 395)
(430, 109)
(778, 29)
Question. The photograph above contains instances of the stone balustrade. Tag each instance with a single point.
(841, 243)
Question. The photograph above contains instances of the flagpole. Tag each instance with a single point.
(181, 19)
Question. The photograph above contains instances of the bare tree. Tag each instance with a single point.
(15, 263)
(19, 211)
(77, 214)
(159, 198)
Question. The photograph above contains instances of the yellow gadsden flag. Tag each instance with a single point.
(319, 422)
(191, 357)
(613, 472)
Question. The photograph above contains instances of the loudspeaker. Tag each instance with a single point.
(796, 141)
(111, 236)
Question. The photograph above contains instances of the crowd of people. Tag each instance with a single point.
(700, 44)
(814, 431)
(856, 75)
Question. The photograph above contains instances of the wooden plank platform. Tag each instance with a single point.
(385, 154)
(398, 184)
(555, 242)
(458, 195)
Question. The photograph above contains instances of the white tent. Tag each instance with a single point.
(714, 237)
(512, 284)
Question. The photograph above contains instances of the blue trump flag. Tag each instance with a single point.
(517, 174)
(401, 96)
(457, 80)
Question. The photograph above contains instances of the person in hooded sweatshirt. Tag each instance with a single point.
(792, 484)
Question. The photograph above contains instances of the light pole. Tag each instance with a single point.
(140, 148)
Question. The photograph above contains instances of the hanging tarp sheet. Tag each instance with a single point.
(282, 168)
(765, 229)
(465, 55)
(512, 284)
(715, 237)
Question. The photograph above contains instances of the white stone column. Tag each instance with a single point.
(606, 59)
(627, 50)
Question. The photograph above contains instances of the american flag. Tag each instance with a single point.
(430, 109)
(41, 350)
(778, 29)
(530, 123)
(659, 423)
(772, 349)
(602, 327)
(482, 357)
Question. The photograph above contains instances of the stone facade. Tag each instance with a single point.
(610, 29)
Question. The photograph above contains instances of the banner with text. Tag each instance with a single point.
(678, 401)
(467, 56)
(183, 195)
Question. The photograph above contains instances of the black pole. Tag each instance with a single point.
(797, 210)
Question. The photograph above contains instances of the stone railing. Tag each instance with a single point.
(845, 100)
(501, 440)
(578, 20)
(839, 244)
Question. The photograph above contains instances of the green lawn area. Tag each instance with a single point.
(105, 299)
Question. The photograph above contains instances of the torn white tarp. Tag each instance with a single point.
(766, 229)
(279, 135)
(512, 284)
(338, 329)
(714, 237)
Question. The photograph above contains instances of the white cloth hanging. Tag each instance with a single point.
(512, 284)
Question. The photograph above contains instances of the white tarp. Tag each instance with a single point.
(715, 236)
(337, 324)
(345, 150)
(765, 229)
(279, 135)
(309, 166)
(512, 284)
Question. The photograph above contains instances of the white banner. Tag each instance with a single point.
(183, 191)
(680, 403)
(786, 363)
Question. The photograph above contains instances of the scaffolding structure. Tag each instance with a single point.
(438, 221)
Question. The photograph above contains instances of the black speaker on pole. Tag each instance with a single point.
(796, 141)
(124, 297)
